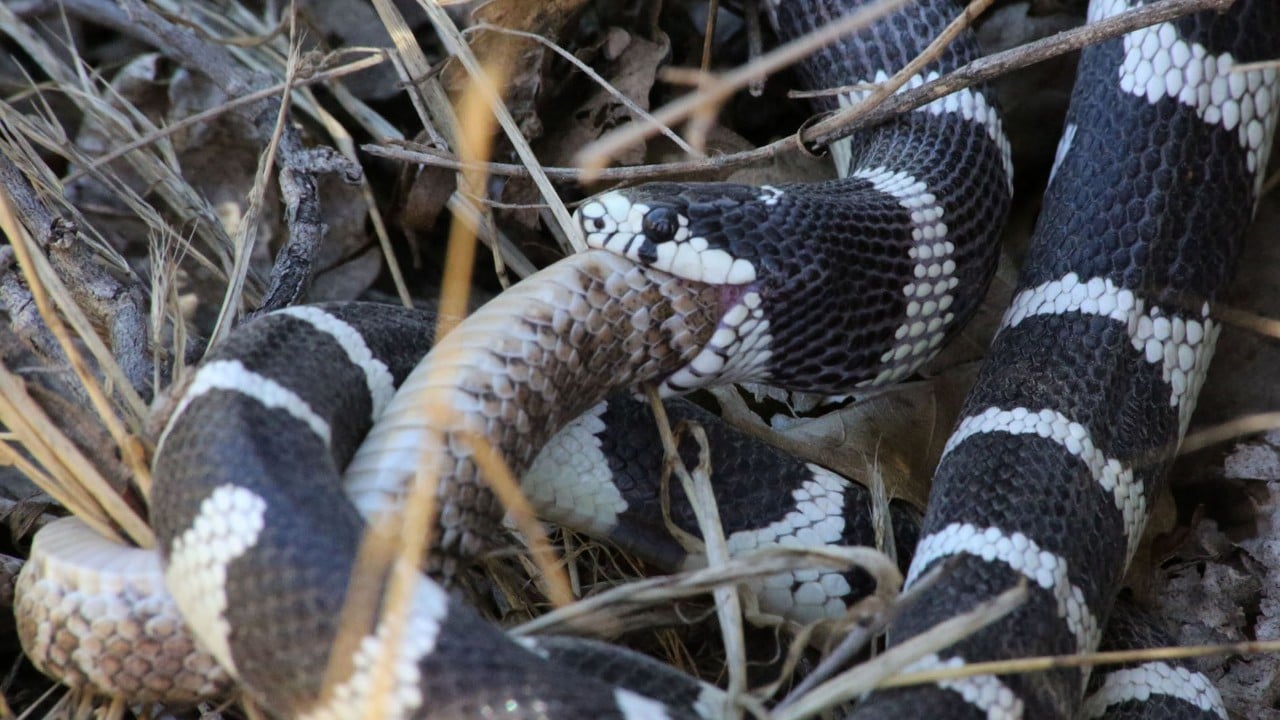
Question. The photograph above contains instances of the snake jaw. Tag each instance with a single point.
(658, 236)
(738, 351)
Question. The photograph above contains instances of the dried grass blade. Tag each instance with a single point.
(457, 46)
(864, 677)
(45, 285)
(68, 476)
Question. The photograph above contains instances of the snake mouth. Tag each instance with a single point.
(739, 350)
(658, 236)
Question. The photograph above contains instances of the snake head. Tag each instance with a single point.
(656, 225)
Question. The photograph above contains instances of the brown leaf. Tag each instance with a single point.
(547, 18)
(899, 433)
(632, 74)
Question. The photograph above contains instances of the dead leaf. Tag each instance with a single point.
(354, 23)
(899, 432)
(220, 159)
(547, 18)
(631, 74)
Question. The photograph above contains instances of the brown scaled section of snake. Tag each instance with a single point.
(523, 366)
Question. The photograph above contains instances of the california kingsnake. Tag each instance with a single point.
(1089, 382)
(1092, 378)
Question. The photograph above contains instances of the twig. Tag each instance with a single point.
(862, 678)
(1249, 321)
(464, 210)
(119, 306)
(651, 591)
(846, 122)
(246, 233)
(415, 153)
(862, 634)
(599, 153)
(183, 46)
(755, 44)
(913, 68)
(453, 42)
(715, 547)
(640, 113)
(1235, 428)
(708, 34)
(1042, 663)
(345, 144)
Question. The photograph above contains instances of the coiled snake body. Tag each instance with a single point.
(812, 287)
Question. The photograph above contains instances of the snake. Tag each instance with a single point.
(1046, 480)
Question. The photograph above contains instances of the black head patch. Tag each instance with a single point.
(660, 224)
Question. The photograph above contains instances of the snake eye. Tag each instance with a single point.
(595, 224)
(660, 224)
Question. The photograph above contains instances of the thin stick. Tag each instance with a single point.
(640, 113)
(913, 68)
(1229, 430)
(1250, 321)
(862, 678)
(755, 44)
(708, 34)
(715, 546)
(846, 123)
(1053, 662)
(852, 119)
(861, 635)
(599, 153)
(664, 589)
(247, 233)
(453, 42)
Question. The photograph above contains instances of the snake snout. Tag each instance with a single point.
(656, 233)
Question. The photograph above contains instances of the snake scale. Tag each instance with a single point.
(817, 287)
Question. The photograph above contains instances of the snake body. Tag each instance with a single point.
(1092, 378)
(455, 668)
(816, 287)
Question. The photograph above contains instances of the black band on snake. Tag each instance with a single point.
(816, 287)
